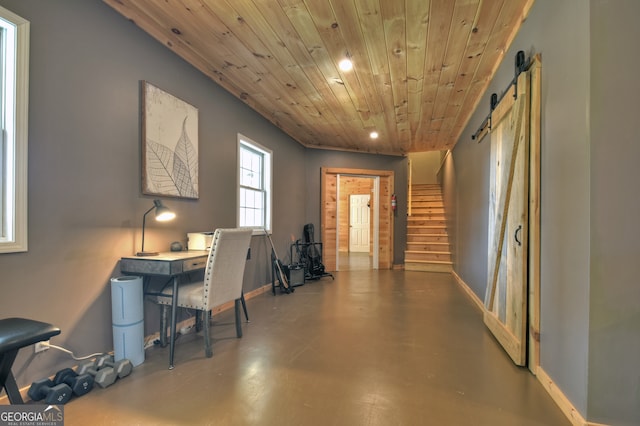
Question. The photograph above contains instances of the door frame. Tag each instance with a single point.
(375, 200)
(383, 219)
(533, 361)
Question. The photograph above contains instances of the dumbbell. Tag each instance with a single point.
(103, 377)
(123, 367)
(50, 392)
(80, 384)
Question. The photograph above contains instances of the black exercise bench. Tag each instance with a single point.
(15, 334)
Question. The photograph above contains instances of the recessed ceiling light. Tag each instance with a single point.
(373, 135)
(345, 65)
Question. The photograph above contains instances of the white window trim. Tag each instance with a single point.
(268, 171)
(15, 139)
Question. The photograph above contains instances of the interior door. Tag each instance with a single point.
(506, 293)
(359, 213)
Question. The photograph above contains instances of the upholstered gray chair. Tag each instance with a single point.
(222, 282)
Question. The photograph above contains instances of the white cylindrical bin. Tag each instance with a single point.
(127, 314)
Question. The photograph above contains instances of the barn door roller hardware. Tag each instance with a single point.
(521, 65)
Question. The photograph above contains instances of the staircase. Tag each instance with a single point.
(427, 239)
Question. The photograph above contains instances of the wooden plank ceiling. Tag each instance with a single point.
(419, 66)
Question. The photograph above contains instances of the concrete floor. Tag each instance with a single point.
(348, 261)
(368, 348)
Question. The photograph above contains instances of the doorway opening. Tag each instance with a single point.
(358, 236)
(334, 224)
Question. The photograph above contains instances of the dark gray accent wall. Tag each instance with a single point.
(85, 202)
(590, 318)
(316, 159)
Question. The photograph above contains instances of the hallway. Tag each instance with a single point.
(350, 261)
(368, 348)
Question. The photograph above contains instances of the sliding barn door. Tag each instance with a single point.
(506, 294)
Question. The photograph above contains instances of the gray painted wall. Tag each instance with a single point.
(614, 321)
(470, 161)
(590, 317)
(85, 205)
(425, 167)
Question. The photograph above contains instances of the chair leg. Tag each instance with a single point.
(207, 337)
(238, 318)
(244, 306)
(164, 316)
(198, 322)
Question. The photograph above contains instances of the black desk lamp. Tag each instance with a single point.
(163, 214)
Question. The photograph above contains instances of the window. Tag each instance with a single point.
(14, 96)
(254, 185)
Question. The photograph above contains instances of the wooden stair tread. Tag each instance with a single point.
(430, 252)
(426, 227)
(432, 243)
(427, 235)
(444, 248)
(438, 262)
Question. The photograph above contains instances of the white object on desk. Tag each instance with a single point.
(199, 240)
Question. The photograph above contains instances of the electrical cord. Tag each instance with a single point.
(49, 345)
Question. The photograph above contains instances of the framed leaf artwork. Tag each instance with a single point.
(169, 144)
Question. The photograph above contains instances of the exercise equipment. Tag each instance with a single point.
(310, 254)
(103, 377)
(15, 334)
(50, 392)
(80, 384)
(122, 367)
